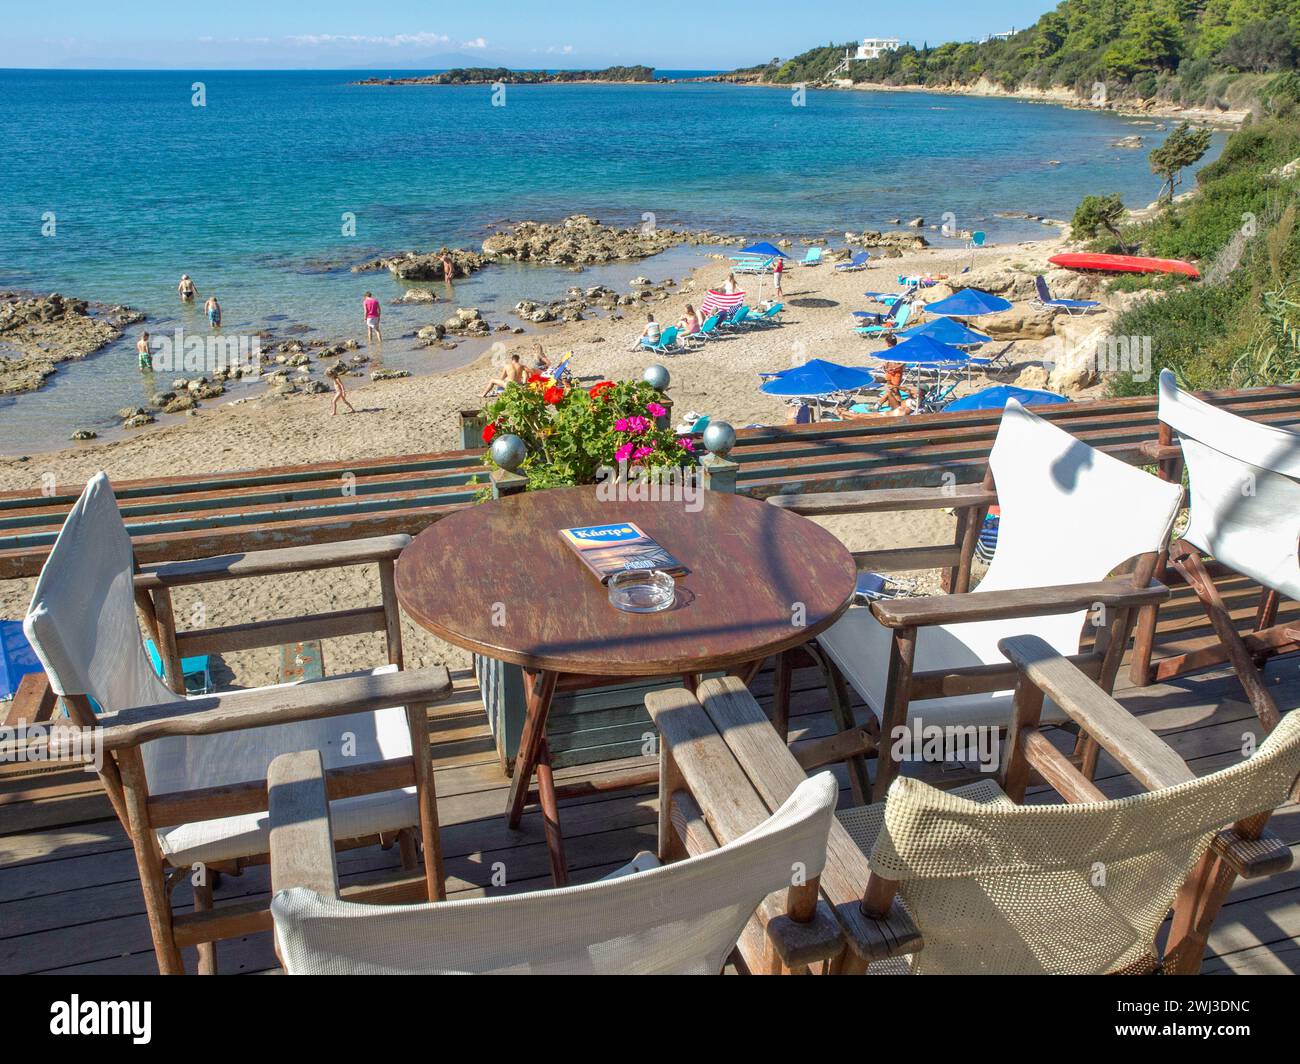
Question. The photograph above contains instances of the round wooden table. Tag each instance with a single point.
(498, 579)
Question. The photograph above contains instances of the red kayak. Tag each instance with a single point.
(1124, 264)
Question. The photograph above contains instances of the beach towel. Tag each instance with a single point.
(720, 301)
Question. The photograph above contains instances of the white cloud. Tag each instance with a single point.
(477, 42)
(566, 49)
(397, 40)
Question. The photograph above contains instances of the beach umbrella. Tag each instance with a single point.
(818, 377)
(968, 303)
(946, 331)
(996, 398)
(764, 249)
(925, 352)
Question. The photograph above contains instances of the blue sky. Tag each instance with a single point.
(669, 34)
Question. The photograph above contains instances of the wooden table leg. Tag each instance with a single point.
(551, 816)
(541, 689)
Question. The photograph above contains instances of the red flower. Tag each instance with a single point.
(489, 431)
(537, 378)
(601, 390)
(553, 395)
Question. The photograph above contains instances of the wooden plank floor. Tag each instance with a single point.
(70, 900)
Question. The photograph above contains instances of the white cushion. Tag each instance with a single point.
(181, 763)
(859, 645)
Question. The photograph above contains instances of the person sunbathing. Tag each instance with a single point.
(512, 373)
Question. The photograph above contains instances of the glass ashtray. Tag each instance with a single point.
(642, 591)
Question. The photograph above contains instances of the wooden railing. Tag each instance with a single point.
(178, 518)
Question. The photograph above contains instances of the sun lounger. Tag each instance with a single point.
(858, 262)
(813, 257)
(666, 343)
(1070, 306)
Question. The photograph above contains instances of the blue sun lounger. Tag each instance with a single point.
(1070, 306)
(858, 262)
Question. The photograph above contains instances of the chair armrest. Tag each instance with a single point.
(1159, 452)
(1118, 592)
(886, 500)
(1130, 742)
(271, 562)
(284, 704)
(302, 838)
(33, 703)
(1253, 858)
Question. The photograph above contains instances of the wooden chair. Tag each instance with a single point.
(1083, 888)
(186, 777)
(1071, 517)
(1244, 495)
(682, 918)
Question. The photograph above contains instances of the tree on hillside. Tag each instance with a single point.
(1261, 47)
(1096, 214)
(1182, 148)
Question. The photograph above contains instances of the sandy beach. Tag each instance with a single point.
(418, 414)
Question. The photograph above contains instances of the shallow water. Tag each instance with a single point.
(248, 193)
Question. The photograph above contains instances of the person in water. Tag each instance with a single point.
(370, 307)
(213, 309)
(142, 351)
(448, 267)
(513, 373)
(340, 393)
(186, 289)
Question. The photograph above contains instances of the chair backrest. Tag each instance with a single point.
(1073, 889)
(977, 238)
(860, 259)
(739, 314)
(1070, 514)
(1044, 294)
(711, 324)
(82, 620)
(682, 918)
(1243, 490)
(901, 313)
(812, 255)
(558, 372)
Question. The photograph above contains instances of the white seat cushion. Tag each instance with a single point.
(182, 763)
(859, 645)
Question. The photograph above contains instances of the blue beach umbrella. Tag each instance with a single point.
(765, 249)
(946, 331)
(927, 353)
(968, 303)
(818, 377)
(996, 398)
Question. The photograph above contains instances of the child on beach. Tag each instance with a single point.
(448, 267)
(340, 393)
(186, 289)
(213, 309)
(370, 306)
(142, 351)
(690, 323)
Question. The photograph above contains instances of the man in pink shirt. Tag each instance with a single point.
(371, 306)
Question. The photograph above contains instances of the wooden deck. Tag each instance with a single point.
(70, 900)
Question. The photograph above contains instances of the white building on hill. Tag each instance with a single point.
(875, 47)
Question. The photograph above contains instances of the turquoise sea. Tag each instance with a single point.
(248, 193)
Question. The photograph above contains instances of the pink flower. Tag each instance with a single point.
(688, 444)
(655, 410)
(641, 452)
(621, 425)
(636, 424)
(623, 453)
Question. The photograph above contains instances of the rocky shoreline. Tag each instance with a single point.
(47, 330)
